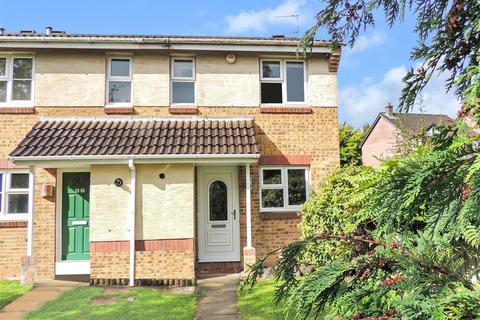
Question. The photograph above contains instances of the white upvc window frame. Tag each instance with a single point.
(119, 79)
(283, 80)
(6, 191)
(8, 77)
(183, 79)
(284, 186)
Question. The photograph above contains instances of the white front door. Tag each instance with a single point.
(218, 214)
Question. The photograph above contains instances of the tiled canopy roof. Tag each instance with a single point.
(137, 136)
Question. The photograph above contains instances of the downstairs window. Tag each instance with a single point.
(283, 188)
(15, 192)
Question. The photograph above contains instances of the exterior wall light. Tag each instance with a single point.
(161, 175)
(231, 58)
(118, 182)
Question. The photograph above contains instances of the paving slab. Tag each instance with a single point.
(217, 298)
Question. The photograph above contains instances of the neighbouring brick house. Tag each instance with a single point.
(130, 157)
(389, 128)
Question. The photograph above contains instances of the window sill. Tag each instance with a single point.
(285, 109)
(183, 110)
(4, 224)
(279, 215)
(17, 110)
(118, 110)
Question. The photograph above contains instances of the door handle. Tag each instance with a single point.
(234, 214)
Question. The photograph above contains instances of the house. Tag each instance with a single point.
(154, 159)
(385, 134)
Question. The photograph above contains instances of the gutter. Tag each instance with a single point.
(268, 46)
(62, 161)
(166, 40)
(132, 209)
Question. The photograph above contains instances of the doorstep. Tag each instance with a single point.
(72, 267)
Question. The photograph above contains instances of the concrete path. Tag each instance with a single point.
(42, 292)
(217, 298)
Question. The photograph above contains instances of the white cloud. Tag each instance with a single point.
(368, 41)
(360, 103)
(258, 20)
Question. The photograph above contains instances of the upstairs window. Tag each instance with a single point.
(183, 81)
(283, 188)
(15, 192)
(16, 80)
(119, 82)
(282, 81)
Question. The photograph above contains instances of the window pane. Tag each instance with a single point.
(295, 82)
(119, 91)
(272, 198)
(19, 181)
(183, 68)
(3, 66)
(271, 93)
(18, 203)
(297, 187)
(120, 68)
(22, 90)
(271, 69)
(273, 176)
(22, 68)
(3, 91)
(218, 201)
(183, 92)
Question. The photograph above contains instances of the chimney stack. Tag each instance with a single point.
(48, 31)
(389, 110)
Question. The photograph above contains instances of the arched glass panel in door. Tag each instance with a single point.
(218, 201)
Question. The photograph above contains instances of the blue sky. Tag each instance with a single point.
(369, 74)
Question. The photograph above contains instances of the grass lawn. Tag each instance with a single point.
(148, 304)
(10, 290)
(258, 304)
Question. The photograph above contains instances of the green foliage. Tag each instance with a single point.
(337, 209)
(397, 242)
(350, 139)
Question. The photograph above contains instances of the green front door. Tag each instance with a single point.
(76, 216)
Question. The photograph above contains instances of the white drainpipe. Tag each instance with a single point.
(30, 214)
(133, 189)
(248, 205)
